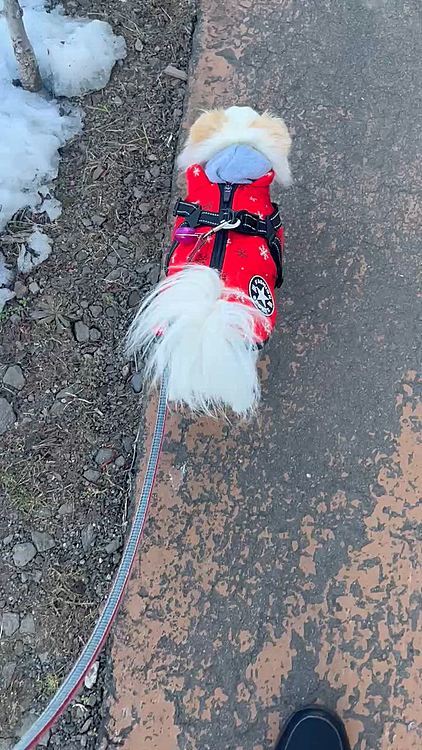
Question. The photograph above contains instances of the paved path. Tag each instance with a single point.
(279, 566)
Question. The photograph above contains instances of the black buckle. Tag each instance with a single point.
(192, 219)
(227, 214)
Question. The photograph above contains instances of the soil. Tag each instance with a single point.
(68, 448)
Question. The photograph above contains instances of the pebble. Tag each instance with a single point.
(174, 72)
(134, 298)
(114, 545)
(88, 535)
(66, 509)
(136, 382)
(7, 676)
(94, 334)
(20, 290)
(7, 416)
(85, 726)
(92, 475)
(91, 677)
(120, 462)
(96, 310)
(42, 540)
(14, 377)
(28, 625)
(33, 287)
(7, 540)
(9, 623)
(104, 456)
(23, 553)
(81, 331)
(98, 220)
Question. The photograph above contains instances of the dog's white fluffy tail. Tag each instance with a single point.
(205, 341)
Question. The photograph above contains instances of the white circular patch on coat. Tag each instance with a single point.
(260, 294)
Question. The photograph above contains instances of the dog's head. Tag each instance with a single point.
(217, 129)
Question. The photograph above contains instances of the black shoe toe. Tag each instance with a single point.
(313, 728)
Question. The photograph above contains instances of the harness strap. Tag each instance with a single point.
(249, 224)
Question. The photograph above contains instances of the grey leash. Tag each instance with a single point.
(98, 636)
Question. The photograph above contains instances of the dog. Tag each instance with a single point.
(206, 321)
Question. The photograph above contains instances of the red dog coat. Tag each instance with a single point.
(249, 256)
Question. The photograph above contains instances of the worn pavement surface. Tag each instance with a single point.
(280, 561)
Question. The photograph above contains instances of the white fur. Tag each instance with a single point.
(206, 342)
(236, 129)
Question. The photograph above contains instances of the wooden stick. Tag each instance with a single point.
(28, 68)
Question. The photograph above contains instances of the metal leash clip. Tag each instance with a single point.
(225, 224)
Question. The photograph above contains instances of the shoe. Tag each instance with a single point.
(313, 728)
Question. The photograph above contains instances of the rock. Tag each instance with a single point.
(143, 208)
(86, 725)
(44, 740)
(9, 623)
(7, 675)
(23, 553)
(134, 298)
(92, 475)
(114, 545)
(94, 334)
(120, 462)
(91, 677)
(42, 540)
(7, 540)
(88, 535)
(98, 219)
(96, 310)
(13, 377)
(20, 290)
(174, 72)
(66, 509)
(7, 416)
(137, 381)
(104, 456)
(81, 331)
(28, 625)
(33, 287)
(139, 45)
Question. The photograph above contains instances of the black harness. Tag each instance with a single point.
(246, 223)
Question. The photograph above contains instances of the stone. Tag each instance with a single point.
(174, 72)
(98, 220)
(7, 416)
(114, 545)
(28, 625)
(96, 310)
(33, 287)
(134, 298)
(7, 675)
(81, 331)
(88, 535)
(13, 377)
(23, 553)
(120, 462)
(104, 456)
(42, 540)
(94, 334)
(20, 290)
(92, 475)
(91, 677)
(66, 509)
(136, 382)
(9, 623)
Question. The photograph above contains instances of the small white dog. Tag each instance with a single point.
(207, 319)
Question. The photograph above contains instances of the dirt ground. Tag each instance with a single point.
(66, 464)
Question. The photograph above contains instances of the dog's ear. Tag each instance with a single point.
(276, 144)
(207, 125)
(276, 130)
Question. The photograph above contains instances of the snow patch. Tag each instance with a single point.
(75, 55)
(32, 254)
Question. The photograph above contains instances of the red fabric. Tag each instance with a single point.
(245, 257)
